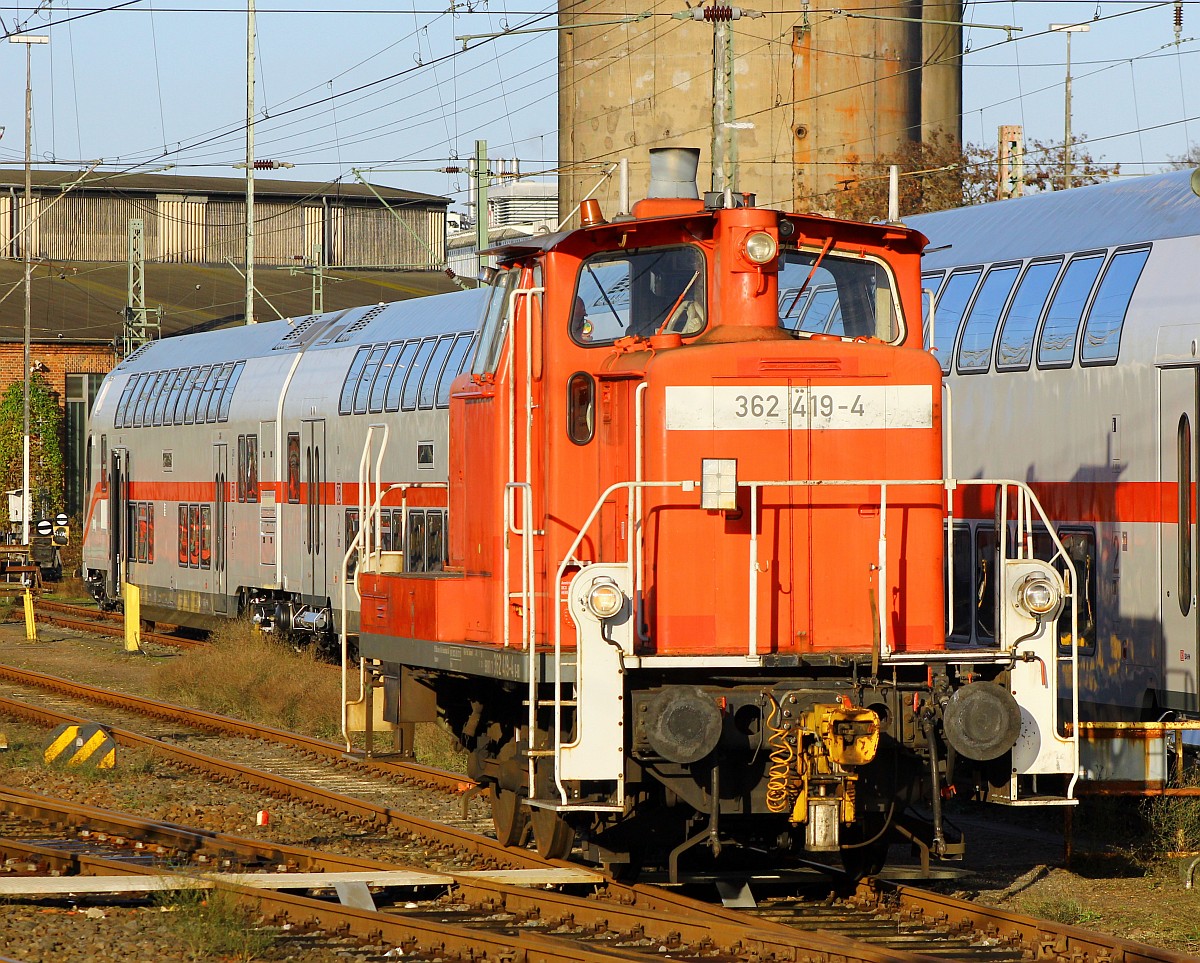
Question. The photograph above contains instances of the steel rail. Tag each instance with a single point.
(658, 914)
(1051, 940)
(103, 623)
(280, 786)
(211, 722)
(608, 909)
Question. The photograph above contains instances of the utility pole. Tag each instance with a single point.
(250, 162)
(137, 329)
(26, 246)
(482, 175)
(1010, 180)
(1068, 29)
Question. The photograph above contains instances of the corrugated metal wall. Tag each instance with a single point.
(184, 228)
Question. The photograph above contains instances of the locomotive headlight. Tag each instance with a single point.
(1038, 596)
(605, 598)
(760, 247)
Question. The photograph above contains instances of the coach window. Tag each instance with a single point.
(380, 382)
(433, 371)
(1056, 349)
(929, 288)
(362, 391)
(1184, 512)
(495, 322)
(352, 526)
(1015, 348)
(196, 391)
(951, 305)
(641, 293)
(1106, 317)
(219, 389)
(293, 468)
(350, 385)
(412, 383)
(415, 541)
(960, 627)
(399, 373)
(984, 600)
(206, 393)
(156, 389)
(1080, 547)
(979, 328)
(227, 397)
(454, 367)
(147, 389)
(123, 402)
(179, 392)
(155, 417)
(183, 536)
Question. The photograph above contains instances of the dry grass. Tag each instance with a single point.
(251, 676)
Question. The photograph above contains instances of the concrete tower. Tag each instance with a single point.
(813, 92)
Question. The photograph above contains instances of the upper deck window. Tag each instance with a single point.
(1057, 346)
(1015, 349)
(979, 329)
(951, 305)
(829, 293)
(640, 292)
(1102, 330)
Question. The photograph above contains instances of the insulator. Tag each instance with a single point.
(718, 14)
(1178, 15)
(265, 165)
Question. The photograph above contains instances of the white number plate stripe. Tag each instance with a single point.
(818, 407)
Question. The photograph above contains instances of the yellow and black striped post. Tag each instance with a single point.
(76, 744)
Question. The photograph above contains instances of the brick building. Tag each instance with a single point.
(335, 246)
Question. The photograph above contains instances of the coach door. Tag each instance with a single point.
(220, 524)
(1179, 403)
(118, 502)
(316, 549)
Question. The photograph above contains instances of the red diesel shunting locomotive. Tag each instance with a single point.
(667, 555)
(696, 548)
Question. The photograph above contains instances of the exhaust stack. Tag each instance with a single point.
(673, 172)
(672, 183)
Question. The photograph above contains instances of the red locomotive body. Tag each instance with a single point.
(696, 545)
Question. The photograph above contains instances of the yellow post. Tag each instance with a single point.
(133, 617)
(30, 624)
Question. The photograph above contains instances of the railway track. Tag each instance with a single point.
(88, 618)
(555, 913)
(901, 920)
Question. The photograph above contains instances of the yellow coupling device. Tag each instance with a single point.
(836, 736)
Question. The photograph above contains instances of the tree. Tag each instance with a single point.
(1187, 161)
(937, 174)
(46, 476)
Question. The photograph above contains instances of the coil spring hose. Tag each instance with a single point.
(782, 758)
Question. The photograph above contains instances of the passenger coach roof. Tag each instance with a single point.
(367, 324)
(1122, 212)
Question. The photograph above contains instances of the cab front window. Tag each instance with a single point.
(830, 293)
(640, 293)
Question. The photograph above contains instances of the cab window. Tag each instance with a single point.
(822, 292)
(641, 293)
(495, 322)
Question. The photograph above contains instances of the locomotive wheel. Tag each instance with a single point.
(509, 817)
(553, 835)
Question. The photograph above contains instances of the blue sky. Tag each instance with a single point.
(358, 85)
